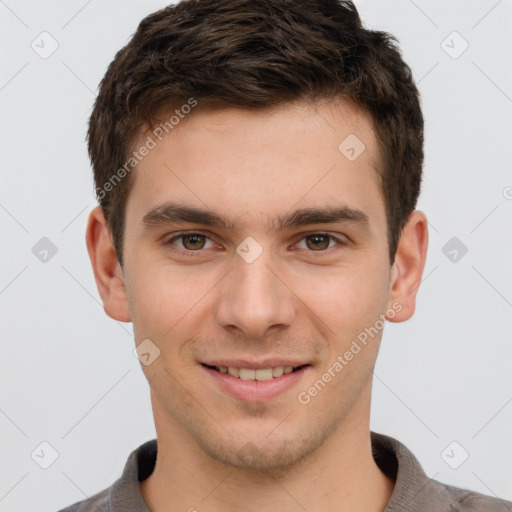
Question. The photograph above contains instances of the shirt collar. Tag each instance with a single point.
(413, 489)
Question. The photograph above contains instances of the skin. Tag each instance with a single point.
(294, 301)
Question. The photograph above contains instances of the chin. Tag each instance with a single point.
(265, 452)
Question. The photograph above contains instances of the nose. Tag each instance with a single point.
(255, 298)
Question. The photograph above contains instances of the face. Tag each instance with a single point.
(255, 259)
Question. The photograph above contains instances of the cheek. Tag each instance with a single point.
(345, 300)
(341, 300)
(163, 298)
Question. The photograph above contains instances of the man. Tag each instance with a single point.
(257, 164)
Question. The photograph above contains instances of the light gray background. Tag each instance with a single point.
(68, 374)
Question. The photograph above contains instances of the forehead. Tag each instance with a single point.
(257, 165)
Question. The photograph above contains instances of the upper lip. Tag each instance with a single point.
(254, 365)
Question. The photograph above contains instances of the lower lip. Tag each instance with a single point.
(255, 390)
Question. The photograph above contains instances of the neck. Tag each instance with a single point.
(340, 475)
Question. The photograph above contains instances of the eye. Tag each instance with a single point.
(194, 242)
(191, 241)
(319, 242)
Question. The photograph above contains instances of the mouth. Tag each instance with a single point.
(259, 374)
(257, 383)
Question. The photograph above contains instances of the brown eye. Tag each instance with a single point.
(193, 242)
(317, 241)
(190, 242)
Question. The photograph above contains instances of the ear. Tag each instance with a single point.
(107, 270)
(407, 269)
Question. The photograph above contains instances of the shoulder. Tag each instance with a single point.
(414, 490)
(462, 500)
(97, 503)
(124, 493)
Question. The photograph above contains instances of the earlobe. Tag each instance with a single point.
(107, 271)
(408, 266)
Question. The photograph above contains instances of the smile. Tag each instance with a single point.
(260, 374)
(255, 384)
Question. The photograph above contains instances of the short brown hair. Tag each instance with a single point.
(254, 54)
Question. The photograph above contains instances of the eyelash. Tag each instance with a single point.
(198, 252)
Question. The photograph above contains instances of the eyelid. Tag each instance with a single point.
(181, 234)
(338, 236)
(341, 240)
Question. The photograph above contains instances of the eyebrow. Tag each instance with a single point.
(172, 213)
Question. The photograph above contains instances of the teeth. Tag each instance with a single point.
(234, 372)
(265, 374)
(277, 371)
(261, 374)
(246, 374)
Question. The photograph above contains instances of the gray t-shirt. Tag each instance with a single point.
(413, 492)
